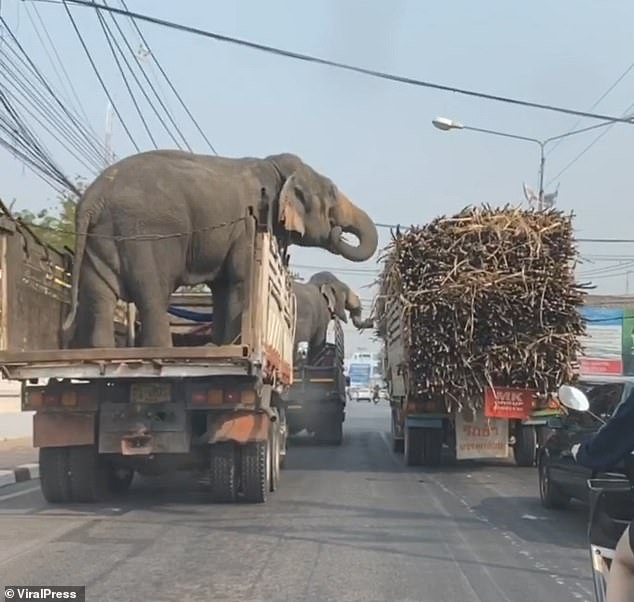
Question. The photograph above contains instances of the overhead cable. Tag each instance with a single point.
(347, 67)
(96, 70)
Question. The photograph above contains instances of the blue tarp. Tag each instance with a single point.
(186, 314)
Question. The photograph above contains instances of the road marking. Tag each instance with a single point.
(18, 493)
(577, 593)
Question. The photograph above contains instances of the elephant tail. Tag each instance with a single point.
(82, 222)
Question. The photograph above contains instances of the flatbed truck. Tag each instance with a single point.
(102, 415)
(316, 400)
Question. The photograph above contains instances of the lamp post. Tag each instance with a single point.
(444, 124)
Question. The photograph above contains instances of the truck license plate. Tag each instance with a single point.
(150, 393)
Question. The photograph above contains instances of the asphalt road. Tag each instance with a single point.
(348, 524)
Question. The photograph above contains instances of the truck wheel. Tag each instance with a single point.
(274, 448)
(119, 479)
(222, 472)
(54, 474)
(330, 431)
(255, 471)
(88, 474)
(431, 446)
(525, 448)
(412, 447)
(550, 496)
(336, 431)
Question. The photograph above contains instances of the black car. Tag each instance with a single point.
(560, 477)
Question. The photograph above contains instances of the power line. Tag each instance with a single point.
(628, 241)
(344, 66)
(108, 34)
(587, 148)
(26, 59)
(60, 62)
(156, 94)
(595, 104)
(94, 67)
(31, 95)
(167, 79)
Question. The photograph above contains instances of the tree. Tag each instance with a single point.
(56, 226)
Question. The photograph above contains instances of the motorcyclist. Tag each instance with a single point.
(611, 444)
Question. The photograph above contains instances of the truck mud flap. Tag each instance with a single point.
(240, 427)
(62, 429)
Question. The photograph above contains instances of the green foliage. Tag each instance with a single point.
(55, 226)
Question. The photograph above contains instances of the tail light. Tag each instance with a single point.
(223, 397)
(76, 398)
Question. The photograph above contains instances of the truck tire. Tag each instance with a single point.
(54, 474)
(331, 430)
(255, 471)
(222, 472)
(88, 474)
(398, 445)
(431, 446)
(525, 448)
(274, 449)
(551, 497)
(412, 446)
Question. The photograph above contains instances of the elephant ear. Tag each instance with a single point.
(336, 303)
(291, 210)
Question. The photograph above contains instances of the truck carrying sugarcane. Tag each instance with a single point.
(478, 314)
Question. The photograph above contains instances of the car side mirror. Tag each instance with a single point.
(347, 381)
(555, 423)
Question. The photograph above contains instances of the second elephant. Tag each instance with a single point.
(317, 300)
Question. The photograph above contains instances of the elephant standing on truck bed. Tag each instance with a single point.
(162, 219)
(317, 300)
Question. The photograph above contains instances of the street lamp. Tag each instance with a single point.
(444, 124)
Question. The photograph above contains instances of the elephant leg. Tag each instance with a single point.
(150, 285)
(228, 308)
(235, 308)
(95, 315)
(155, 324)
(219, 296)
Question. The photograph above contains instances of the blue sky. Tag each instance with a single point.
(374, 138)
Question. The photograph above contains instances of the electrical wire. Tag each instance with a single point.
(347, 67)
(25, 58)
(156, 94)
(108, 34)
(66, 80)
(164, 74)
(595, 104)
(96, 70)
(587, 148)
(30, 96)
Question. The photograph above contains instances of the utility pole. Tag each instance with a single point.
(108, 137)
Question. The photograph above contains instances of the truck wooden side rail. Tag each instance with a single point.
(421, 428)
(103, 414)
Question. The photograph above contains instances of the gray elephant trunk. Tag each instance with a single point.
(352, 220)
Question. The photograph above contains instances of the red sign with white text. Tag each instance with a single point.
(509, 403)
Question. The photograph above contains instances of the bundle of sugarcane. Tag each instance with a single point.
(487, 298)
